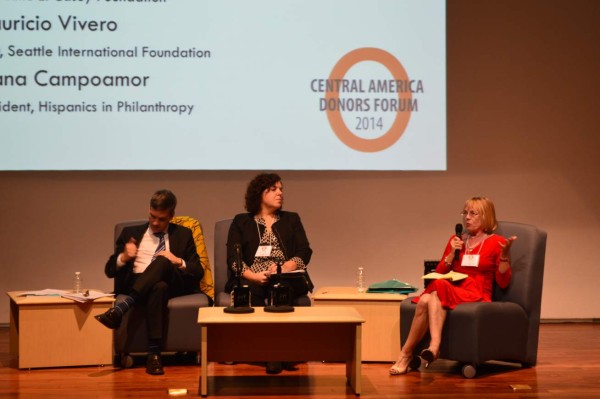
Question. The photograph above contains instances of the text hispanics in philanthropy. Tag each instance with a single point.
(120, 106)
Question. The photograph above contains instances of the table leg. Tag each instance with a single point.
(14, 329)
(354, 368)
(357, 360)
(204, 361)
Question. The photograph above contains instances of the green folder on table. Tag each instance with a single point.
(391, 287)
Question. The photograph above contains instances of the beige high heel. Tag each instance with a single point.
(395, 370)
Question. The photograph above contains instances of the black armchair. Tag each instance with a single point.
(505, 329)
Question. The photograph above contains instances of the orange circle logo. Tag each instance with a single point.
(335, 118)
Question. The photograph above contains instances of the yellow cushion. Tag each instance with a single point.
(206, 284)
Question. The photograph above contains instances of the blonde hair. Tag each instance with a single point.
(485, 207)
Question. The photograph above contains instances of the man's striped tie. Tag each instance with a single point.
(161, 244)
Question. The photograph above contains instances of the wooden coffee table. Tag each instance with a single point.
(308, 333)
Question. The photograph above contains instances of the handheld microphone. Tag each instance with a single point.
(458, 229)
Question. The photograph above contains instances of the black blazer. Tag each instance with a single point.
(243, 231)
(181, 244)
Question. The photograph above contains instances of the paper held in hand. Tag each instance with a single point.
(452, 276)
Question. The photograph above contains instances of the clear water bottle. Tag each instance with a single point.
(360, 280)
(77, 283)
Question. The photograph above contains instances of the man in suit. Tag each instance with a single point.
(153, 262)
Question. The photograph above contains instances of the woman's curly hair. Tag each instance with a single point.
(256, 188)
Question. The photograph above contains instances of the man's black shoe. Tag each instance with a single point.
(111, 318)
(154, 365)
(274, 367)
(289, 366)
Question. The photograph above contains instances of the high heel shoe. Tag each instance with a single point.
(428, 356)
(395, 370)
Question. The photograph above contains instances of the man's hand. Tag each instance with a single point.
(130, 251)
(172, 258)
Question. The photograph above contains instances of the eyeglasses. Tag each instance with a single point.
(470, 213)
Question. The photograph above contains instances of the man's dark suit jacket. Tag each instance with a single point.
(181, 244)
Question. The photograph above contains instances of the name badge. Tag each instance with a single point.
(263, 251)
(470, 260)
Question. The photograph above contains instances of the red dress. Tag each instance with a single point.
(478, 286)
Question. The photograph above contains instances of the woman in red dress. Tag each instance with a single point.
(483, 256)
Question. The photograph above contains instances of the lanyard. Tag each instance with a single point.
(259, 236)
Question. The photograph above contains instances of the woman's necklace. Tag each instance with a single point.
(480, 240)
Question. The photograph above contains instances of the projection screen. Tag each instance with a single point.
(223, 85)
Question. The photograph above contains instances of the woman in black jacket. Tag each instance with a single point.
(268, 237)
